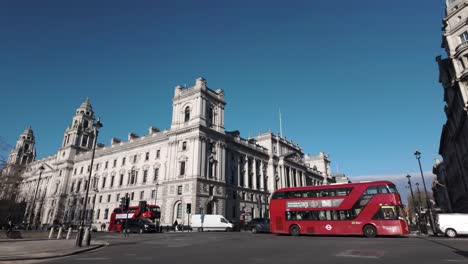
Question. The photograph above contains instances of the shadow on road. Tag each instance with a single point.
(455, 250)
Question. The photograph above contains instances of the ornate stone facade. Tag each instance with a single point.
(195, 162)
(451, 187)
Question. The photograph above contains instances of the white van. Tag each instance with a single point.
(452, 224)
(207, 222)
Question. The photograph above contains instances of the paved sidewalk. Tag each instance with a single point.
(11, 250)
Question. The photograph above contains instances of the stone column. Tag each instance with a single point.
(262, 176)
(254, 175)
(246, 173)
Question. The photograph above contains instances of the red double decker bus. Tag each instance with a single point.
(368, 208)
(118, 216)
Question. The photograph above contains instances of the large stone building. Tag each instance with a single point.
(451, 187)
(195, 163)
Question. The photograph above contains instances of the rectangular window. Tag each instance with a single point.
(182, 168)
(112, 181)
(179, 190)
(153, 194)
(117, 197)
(89, 168)
(81, 170)
(106, 213)
(464, 37)
(145, 176)
(97, 166)
(108, 198)
(115, 162)
(184, 145)
(121, 180)
(133, 196)
(147, 156)
(105, 166)
(142, 195)
(74, 172)
(211, 191)
(134, 158)
(158, 152)
(156, 174)
(103, 183)
(123, 161)
(100, 198)
(98, 213)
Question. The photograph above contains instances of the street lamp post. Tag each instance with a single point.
(41, 168)
(158, 224)
(417, 154)
(412, 195)
(96, 190)
(412, 199)
(96, 127)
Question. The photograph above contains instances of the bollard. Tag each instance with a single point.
(59, 235)
(86, 235)
(51, 233)
(88, 239)
(69, 233)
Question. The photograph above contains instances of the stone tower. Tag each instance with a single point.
(79, 136)
(24, 151)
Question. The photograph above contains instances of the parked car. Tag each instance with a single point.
(261, 227)
(254, 223)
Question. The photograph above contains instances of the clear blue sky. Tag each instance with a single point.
(355, 79)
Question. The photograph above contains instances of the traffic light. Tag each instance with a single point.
(127, 203)
(189, 208)
(122, 204)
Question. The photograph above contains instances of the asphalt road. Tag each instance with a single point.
(236, 247)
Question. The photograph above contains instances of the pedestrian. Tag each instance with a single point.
(103, 227)
(9, 226)
(175, 225)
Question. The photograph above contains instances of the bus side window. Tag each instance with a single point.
(372, 190)
(383, 189)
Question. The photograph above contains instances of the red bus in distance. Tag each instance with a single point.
(368, 208)
(117, 218)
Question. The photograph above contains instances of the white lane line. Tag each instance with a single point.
(92, 258)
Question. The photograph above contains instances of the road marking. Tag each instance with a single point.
(454, 260)
(92, 258)
(361, 254)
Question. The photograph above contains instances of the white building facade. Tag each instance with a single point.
(195, 163)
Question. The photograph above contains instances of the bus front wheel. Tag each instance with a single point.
(200, 229)
(294, 230)
(369, 231)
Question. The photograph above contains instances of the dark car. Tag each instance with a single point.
(261, 225)
(19, 227)
(140, 225)
(253, 223)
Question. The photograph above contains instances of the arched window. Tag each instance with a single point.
(85, 124)
(187, 114)
(179, 211)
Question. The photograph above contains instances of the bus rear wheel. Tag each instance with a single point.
(294, 230)
(200, 229)
(369, 231)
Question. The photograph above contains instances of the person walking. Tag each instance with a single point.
(175, 225)
(9, 226)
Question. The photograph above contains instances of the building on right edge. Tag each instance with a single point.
(451, 186)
